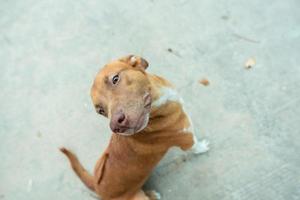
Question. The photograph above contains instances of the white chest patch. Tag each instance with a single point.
(167, 94)
(170, 94)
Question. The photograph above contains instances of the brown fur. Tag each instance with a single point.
(128, 160)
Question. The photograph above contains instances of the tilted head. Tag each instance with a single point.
(121, 92)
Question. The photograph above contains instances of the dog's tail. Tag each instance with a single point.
(85, 177)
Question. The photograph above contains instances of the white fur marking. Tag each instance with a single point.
(167, 94)
(170, 94)
(200, 147)
(133, 60)
(154, 194)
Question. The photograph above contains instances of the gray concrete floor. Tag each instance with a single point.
(51, 50)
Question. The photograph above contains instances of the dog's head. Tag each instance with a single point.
(121, 92)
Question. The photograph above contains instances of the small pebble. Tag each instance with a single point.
(204, 82)
(250, 63)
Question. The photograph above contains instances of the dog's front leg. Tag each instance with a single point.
(199, 146)
(187, 141)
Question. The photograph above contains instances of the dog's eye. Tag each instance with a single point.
(115, 79)
(101, 111)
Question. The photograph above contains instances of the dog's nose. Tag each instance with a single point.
(121, 118)
(118, 122)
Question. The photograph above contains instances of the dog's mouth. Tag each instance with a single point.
(140, 125)
(137, 122)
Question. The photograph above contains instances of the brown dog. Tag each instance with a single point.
(147, 118)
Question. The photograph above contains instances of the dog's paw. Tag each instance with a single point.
(153, 195)
(200, 147)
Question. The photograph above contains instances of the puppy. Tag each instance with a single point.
(146, 117)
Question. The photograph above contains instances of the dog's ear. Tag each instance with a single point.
(135, 61)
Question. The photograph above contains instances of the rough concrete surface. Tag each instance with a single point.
(51, 50)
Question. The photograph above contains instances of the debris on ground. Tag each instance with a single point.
(39, 134)
(225, 17)
(170, 50)
(250, 63)
(204, 82)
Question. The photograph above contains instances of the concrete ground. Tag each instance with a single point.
(51, 50)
